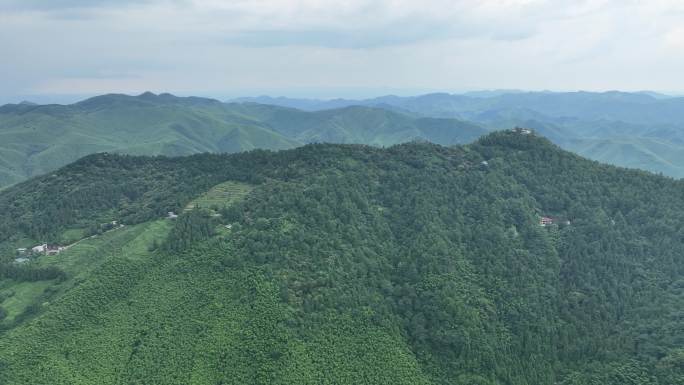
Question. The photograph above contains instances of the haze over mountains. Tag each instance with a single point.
(37, 139)
(637, 130)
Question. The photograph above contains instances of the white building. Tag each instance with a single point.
(40, 248)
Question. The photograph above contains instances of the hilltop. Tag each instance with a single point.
(636, 130)
(630, 129)
(413, 264)
(36, 139)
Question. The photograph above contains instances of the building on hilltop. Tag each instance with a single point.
(522, 131)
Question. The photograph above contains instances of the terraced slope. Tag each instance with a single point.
(221, 195)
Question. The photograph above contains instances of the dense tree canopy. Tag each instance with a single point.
(416, 264)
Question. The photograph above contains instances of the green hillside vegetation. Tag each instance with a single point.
(642, 130)
(221, 196)
(358, 124)
(36, 139)
(21, 300)
(655, 148)
(644, 153)
(627, 129)
(348, 264)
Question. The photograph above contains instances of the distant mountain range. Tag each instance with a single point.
(640, 130)
(36, 139)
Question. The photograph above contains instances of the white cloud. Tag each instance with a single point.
(212, 46)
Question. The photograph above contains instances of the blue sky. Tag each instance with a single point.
(61, 50)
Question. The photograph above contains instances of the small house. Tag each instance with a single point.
(47, 249)
(21, 260)
(546, 221)
(172, 215)
(40, 248)
(54, 249)
(21, 250)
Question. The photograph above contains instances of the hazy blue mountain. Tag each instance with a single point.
(359, 124)
(627, 129)
(613, 105)
(640, 129)
(298, 103)
(491, 93)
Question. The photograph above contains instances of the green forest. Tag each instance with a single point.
(346, 264)
(37, 139)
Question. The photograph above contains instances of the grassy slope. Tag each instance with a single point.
(221, 195)
(86, 254)
(78, 262)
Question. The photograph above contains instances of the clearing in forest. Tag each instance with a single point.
(79, 262)
(221, 195)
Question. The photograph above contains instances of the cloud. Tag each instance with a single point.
(53, 5)
(674, 38)
(212, 46)
(363, 23)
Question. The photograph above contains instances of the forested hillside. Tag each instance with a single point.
(633, 130)
(348, 264)
(637, 130)
(36, 139)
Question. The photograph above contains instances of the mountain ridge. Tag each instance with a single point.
(603, 122)
(37, 139)
(415, 263)
(601, 126)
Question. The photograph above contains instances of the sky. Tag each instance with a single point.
(64, 50)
